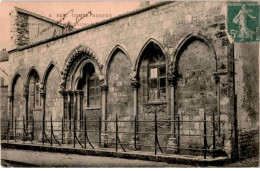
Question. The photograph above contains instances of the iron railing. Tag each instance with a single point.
(79, 134)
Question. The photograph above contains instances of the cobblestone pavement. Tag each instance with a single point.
(47, 159)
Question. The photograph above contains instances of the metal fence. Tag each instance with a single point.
(76, 132)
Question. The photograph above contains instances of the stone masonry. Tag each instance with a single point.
(191, 39)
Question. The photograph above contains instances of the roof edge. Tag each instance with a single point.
(135, 12)
(39, 16)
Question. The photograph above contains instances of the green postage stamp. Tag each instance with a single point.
(243, 21)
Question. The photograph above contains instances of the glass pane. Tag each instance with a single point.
(153, 59)
(153, 83)
(153, 94)
(162, 71)
(162, 82)
(153, 73)
(161, 58)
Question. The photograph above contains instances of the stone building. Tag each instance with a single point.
(170, 60)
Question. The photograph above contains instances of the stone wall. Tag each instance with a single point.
(19, 29)
(3, 107)
(4, 95)
(119, 95)
(247, 89)
(19, 106)
(196, 92)
(167, 25)
(27, 29)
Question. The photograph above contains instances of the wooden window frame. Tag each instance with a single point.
(158, 66)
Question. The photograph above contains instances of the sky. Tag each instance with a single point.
(53, 9)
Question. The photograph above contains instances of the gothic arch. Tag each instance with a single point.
(185, 40)
(31, 71)
(139, 58)
(111, 56)
(75, 79)
(46, 74)
(74, 59)
(13, 82)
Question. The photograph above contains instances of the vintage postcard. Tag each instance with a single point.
(129, 83)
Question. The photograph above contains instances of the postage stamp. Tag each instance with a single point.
(243, 21)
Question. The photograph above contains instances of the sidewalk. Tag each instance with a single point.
(111, 152)
(47, 159)
(29, 158)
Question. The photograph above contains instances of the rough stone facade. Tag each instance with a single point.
(29, 28)
(191, 40)
(247, 88)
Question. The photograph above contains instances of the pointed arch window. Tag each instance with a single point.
(153, 74)
(93, 88)
(90, 84)
(157, 76)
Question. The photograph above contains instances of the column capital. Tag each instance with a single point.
(172, 79)
(63, 93)
(42, 94)
(135, 84)
(104, 88)
(71, 93)
(80, 92)
(172, 75)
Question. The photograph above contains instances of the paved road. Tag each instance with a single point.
(47, 159)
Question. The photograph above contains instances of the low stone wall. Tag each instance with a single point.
(248, 144)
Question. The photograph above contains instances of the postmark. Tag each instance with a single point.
(243, 21)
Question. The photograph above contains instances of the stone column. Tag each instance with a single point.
(70, 115)
(217, 80)
(81, 118)
(65, 103)
(135, 86)
(104, 135)
(43, 97)
(172, 79)
(65, 111)
(11, 106)
(75, 109)
(26, 95)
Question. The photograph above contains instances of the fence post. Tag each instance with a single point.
(135, 132)
(155, 133)
(74, 134)
(23, 130)
(32, 129)
(51, 130)
(116, 134)
(178, 126)
(62, 130)
(8, 131)
(85, 132)
(43, 131)
(99, 135)
(15, 128)
(205, 136)
(214, 136)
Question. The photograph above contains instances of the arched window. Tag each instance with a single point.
(34, 93)
(153, 67)
(90, 84)
(93, 88)
(157, 76)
